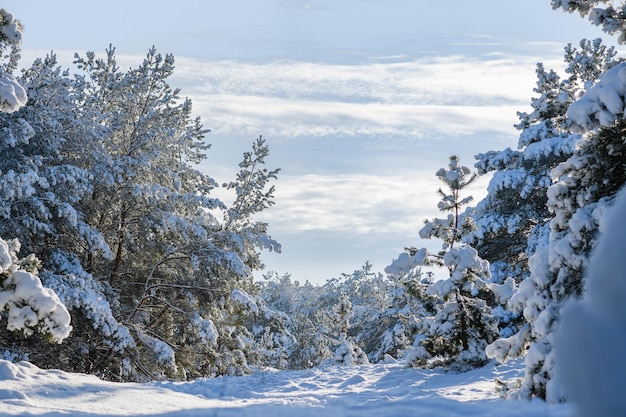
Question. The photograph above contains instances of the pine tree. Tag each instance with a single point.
(592, 333)
(368, 292)
(131, 235)
(462, 324)
(305, 306)
(512, 221)
(585, 185)
(12, 94)
(347, 352)
(408, 302)
(25, 305)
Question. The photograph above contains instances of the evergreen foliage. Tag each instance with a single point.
(460, 323)
(101, 185)
(608, 14)
(512, 221)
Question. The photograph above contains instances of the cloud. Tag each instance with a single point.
(331, 224)
(429, 80)
(423, 98)
(356, 204)
(293, 118)
(455, 95)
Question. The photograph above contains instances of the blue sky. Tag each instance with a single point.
(361, 101)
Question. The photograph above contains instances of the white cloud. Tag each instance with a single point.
(292, 118)
(357, 204)
(447, 95)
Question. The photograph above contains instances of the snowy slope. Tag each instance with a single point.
(369, 390)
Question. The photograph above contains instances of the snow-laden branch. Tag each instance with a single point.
(12, 94)
(603, 104)
(28, 306)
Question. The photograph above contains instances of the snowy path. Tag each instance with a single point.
(371, 390)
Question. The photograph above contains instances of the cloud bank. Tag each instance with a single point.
(448, 95)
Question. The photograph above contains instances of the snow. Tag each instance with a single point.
(369, 390)
(206, 329)
(12, 94)
(28, 304)
(10, 29)
(244, 299)
(603, 104)
(503, 292)
(592, 336)
(405, 263)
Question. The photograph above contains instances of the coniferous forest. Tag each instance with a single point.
(118, 260)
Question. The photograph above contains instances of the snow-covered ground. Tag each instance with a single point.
(369, 390)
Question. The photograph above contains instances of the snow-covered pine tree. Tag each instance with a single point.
(174, 266)
(274, 343)
(43, 186)
(347, 352)
(304, 305)
(463, 325)
(584, 186)
(368, 292)
(135, 248)
(592, 335)
(512, 220)
(25, 304)
(408, 302)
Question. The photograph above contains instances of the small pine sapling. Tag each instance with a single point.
(461, 324)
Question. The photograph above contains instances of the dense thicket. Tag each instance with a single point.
(98, 182)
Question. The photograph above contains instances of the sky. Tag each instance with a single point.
(360, 101)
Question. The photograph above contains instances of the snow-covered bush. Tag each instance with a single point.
(25, 305)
